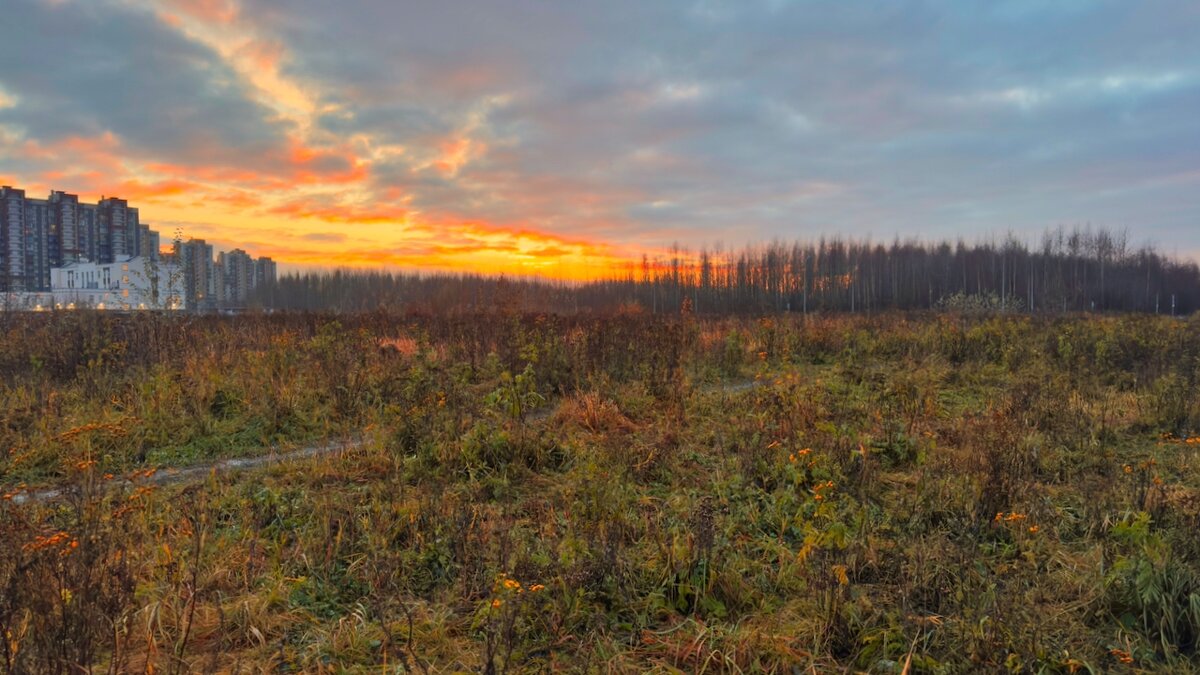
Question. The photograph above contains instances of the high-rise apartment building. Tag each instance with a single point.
(238, 268)
(12, 240)
(148, 242)
(197, 257)
(64, 214)
(117, 230)
(264, 271)
(37, 235)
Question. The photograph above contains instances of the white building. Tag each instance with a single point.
(134, 283)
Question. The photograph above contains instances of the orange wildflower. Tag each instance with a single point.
(1121, 655)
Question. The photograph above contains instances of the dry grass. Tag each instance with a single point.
(894, 494)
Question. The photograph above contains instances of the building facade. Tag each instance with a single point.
(137, 283)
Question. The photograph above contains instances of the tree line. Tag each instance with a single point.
(1080, 269)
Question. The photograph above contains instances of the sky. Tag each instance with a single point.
(570, 138)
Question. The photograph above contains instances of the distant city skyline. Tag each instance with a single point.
(41, 238)
(568, 140)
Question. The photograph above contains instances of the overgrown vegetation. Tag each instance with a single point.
(920, 493)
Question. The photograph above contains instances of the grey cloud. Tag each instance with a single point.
(334, 237)
(86, 68)
(933, 117)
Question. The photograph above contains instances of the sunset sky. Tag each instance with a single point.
(561, 138)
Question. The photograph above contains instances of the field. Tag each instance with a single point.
(621, 493)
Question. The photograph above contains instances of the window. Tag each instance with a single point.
(124, 268)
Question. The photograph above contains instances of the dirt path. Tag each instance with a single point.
(169, 475)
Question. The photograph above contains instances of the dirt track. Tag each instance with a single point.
(170, 475)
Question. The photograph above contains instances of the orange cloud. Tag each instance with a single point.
(311, 165)
(101, 151)
(266, 55)
(456, 153)
(212, 174)
(134, 189)
(211, 11)
(341, 213)
(548, 252)
(532, 239)
(239, 199)
(256, 58)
